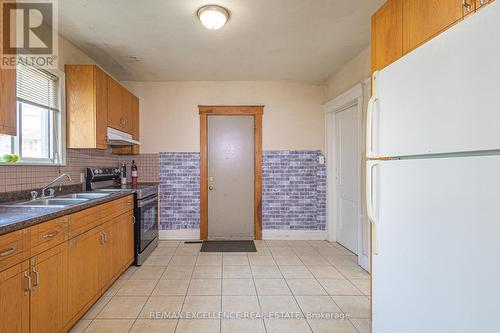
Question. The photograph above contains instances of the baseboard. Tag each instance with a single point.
(294, 235)
(181, 234)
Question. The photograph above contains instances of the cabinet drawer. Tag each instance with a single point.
(14, 248)
(90, 218)
(49, 234)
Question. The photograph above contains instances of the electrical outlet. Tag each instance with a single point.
(321, 159)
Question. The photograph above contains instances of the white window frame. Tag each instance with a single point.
(58, 142)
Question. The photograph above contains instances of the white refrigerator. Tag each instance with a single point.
(433, 184)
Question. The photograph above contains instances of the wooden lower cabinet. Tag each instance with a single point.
(15, 299)
(48, 302)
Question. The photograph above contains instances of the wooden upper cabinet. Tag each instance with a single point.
(115, 118)
(8, 104)
(387, 34)
(132, 150)
(86, 106)
(424, 19)
(15, 299)
(481, 3)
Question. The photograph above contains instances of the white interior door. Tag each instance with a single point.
(347, 177)
(439, 236)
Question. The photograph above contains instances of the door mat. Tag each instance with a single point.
(228, 246)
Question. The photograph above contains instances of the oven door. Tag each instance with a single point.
(147, 211)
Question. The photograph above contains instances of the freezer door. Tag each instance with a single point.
(444, 96)
(439, 239)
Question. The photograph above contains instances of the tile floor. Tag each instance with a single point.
(285, 287)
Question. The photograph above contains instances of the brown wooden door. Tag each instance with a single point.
(423, 19)
(114, 104)
(101, 91)
(387, 34)
(15, 299)
(83, 270)
(49, 293)
(8, 105)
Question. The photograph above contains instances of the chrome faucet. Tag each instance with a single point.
(51, 191)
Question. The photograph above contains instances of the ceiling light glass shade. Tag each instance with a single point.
(213, 17)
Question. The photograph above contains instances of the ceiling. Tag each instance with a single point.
(162, 40)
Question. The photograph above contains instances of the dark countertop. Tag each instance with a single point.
(16, 218)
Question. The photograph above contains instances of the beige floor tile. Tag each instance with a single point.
(313, 260)
(128, 273)
(177, 273)
(97, 307)
(266, 272)
(109, 326)
(240, 304)
(276, 243)
(164, 251)
(171, 287)
(330, 252)
(262, 261)
(232, 254)
(242, 326)
(209, 260)
(362, 284)
(341, 287)
(137, 288)
(297, 243)
(305, 250)
(157, 260)
(287, 326)
(187, 251)
(331, 326)
(148, 273)
(291, 260)
(168, 243)
(362, 325)
(163, 304)
(281, 251)
(115, 287)
(154, 326)
(353, 272)
(198, 326)
(238, 287)
(204, 287)
(270, 287)
(354, 306)
(261, 251)
(123, 307)
(236, 272)
(197, 304)
(183, 260)
(305, 287)
(80, 326)
(296, 272)
(278, 304)
(317, 304)
(210, 254)
(234, 260)
(325, 272)
(207, 272)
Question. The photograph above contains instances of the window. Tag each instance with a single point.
(39, 118)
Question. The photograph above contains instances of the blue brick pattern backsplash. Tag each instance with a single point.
(179, 191)
(293, 190)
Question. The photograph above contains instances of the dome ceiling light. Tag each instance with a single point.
(213, 17)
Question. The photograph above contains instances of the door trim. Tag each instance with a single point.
(227, 110)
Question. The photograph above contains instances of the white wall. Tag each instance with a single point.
(293, 114)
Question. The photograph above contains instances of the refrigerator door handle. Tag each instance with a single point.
(369, 116)
(370, 165)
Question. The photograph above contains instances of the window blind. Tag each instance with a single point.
(37, 87)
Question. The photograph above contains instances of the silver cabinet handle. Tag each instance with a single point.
(9, 251)
(37, 277)
(27, 281)
(52, 234)
(467, 5)
(482, 2)
(101, 235)
(105, 237)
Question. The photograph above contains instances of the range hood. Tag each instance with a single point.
(119, 138)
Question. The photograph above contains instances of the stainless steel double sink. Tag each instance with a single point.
(61, 201)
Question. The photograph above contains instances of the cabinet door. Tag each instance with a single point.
(423, 19)
(126, 117)
(15, 299)
(49, 292)
(114, 104)
(135, 118)
(8, 105)
(107, 253)
(101, 90)
(481, 3)
(126, 240)
(83, 270)
(387, 34)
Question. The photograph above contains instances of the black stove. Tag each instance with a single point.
(145, 209)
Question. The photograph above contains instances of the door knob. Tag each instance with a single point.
(211, 188)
